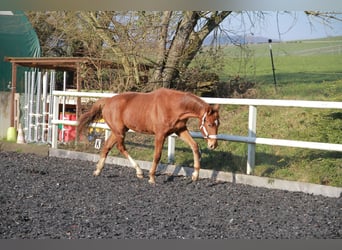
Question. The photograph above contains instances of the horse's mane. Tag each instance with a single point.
(193, 103)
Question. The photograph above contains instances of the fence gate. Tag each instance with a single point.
(38, 104)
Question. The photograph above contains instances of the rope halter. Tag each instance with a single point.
(204, 130)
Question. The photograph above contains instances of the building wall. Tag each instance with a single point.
(5, 108)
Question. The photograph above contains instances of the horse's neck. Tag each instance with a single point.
(194, 107)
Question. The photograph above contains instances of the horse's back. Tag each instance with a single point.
(143, 112)
(148, 100)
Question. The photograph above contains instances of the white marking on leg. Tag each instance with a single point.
(99, 166)
(136, 166)
(152, 180)
(195, 175)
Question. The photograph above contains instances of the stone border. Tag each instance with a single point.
(256, 181)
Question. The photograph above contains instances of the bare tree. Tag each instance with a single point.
(166, 40)
(172, 38)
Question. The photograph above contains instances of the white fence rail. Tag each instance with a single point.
(251, 139)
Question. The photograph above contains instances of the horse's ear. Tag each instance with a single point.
(215, 107)
(209, 110)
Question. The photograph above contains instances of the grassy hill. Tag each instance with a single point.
(295, 62)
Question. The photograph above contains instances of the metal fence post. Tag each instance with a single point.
(55, 117)
(252, 134)
(171, 144)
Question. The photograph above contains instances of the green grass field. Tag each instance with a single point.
(306, 70)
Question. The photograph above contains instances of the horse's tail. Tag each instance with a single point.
(95, 113)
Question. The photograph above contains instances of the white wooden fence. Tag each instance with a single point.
(251, 139)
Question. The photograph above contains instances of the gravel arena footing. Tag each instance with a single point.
(53, 198)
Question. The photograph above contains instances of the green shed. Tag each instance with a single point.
(17, 39)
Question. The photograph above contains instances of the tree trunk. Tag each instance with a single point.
(157, 77)
(184, 46)
(178, 45)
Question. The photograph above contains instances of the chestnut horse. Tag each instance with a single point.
(162, 113)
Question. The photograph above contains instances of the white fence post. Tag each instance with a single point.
(171, 144)
(63, 105)
(55, 125)
(26, 107)
(30, 112)
(251, 134)
(37, 116)
(51, 110)
(44, 101)
(107, 133)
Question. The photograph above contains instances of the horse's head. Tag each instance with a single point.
(209, 125)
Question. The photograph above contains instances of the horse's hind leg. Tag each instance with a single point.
(158, 146)
(104, 152)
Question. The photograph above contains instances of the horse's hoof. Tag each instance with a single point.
(152, 181)
(96, 173)
(140, 176)
(194, 178)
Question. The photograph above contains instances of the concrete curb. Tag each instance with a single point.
(256, 181)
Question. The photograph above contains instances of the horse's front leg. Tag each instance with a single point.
(121, 147)
(104, 152)
(158, 146)
(186, 137)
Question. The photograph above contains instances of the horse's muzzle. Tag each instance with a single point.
(212, 144)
